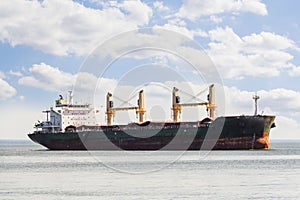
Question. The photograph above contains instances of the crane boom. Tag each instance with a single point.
(193, 104)
(125, 108)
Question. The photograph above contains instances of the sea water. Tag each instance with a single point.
(29, 171)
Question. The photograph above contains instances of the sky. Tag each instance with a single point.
(250, 46)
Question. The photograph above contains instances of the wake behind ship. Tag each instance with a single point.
(73, 127)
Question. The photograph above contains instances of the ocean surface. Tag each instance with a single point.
(29, 171)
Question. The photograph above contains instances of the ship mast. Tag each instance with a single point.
(110, 110)
(47, 114)
(177, 106)
(70, 102)
(255, 97)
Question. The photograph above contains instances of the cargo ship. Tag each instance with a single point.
(72, 126)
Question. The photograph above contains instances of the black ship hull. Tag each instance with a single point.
(224, 133)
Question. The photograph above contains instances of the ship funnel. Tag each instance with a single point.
(211, 101)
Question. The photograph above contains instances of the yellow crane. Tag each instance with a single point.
(110, 110)
(177, 106)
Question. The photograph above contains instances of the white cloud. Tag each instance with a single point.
(180, 26)
(67, 27)
(153, 43)
(283, 100)
(159, 5)
(263, 54)
(51, 78)
(139, 13)
(194, 9)
(48, 78)
(177, 28)
(286, 128)
(276, 101)
(215, 19)
(17, 73)
(6, 90)
(295, 71)
(267, 40)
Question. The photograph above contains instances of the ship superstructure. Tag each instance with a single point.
(66, 116)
